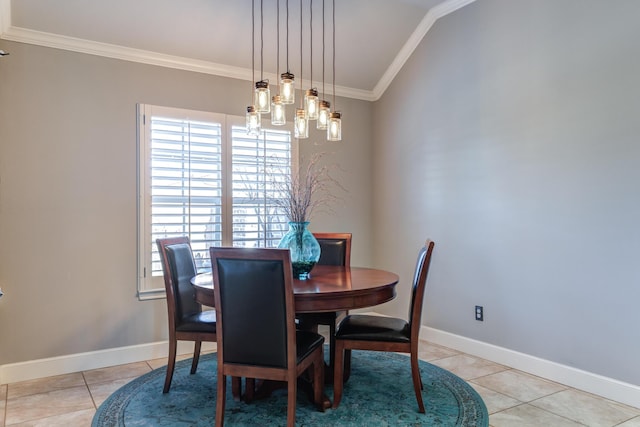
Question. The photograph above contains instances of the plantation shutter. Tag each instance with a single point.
(200, 175)
(256, 163)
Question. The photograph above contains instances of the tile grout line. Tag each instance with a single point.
(93, 400)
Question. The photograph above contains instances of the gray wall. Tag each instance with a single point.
(510, 137)
(68, 194)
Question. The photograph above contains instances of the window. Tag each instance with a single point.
(201, 175)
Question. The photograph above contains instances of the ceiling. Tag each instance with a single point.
(373, 37)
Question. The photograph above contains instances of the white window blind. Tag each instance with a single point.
(203, 177)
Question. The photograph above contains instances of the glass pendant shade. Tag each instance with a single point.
(278, 117)
(287, 89)
(323, 115)
(262, 99)
(334, 131)
(311, 104)
(302, 124)
(253, 121)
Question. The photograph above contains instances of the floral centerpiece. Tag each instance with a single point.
(302, 193)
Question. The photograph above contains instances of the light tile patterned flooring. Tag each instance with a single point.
(513, 398)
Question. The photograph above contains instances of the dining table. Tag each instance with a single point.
(329, 288)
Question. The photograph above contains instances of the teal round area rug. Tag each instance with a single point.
(378, 393)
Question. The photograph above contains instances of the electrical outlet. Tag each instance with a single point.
(479, 313)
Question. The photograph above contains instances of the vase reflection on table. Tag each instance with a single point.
(303, 247)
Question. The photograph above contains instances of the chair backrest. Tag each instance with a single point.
(418, 287)
(254, 306)
(178, 267)
(335, 248)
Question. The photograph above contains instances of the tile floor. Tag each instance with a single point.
(513, 398)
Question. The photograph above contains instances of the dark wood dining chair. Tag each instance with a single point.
(335, 249)
(257, 336)
(379, 333)
(187, 320)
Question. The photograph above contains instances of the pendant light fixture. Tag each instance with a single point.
(334, 129)
(311, 105)
(253, 117)
(278, 112)
(323, 115)
(302, 124)
(262, 93)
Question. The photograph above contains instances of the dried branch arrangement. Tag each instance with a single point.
(308, 190)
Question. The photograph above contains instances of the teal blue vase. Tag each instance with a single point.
(303, 247)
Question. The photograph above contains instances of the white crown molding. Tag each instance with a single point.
(23, 35)
(73, 44)
(608, 388)
(412, 43)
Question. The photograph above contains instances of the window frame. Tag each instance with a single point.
(148, 285)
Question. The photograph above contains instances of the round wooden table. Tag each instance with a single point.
(330, 288)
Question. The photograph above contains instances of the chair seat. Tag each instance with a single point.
(306, 342)
(199, 322)
(378, 328)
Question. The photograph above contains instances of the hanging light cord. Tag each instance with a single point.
(334, 55)
(261, 41)
(278, 40)
(311, 43)
(253, 49)
(301, 97)
(287, 36)
(323, 92)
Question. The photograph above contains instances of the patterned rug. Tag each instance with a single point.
(378, 393)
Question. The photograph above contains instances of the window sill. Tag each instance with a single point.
(149, 294)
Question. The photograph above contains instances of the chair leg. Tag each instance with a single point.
(292, 388)
(332, 345)
(338, 373)
(171, 363)
(318, 381)
(220, 399)
(249, 389)
(347, 364)
(196, 357)
(417, 381)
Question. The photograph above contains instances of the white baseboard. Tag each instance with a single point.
(608, 388)
(32, 369)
